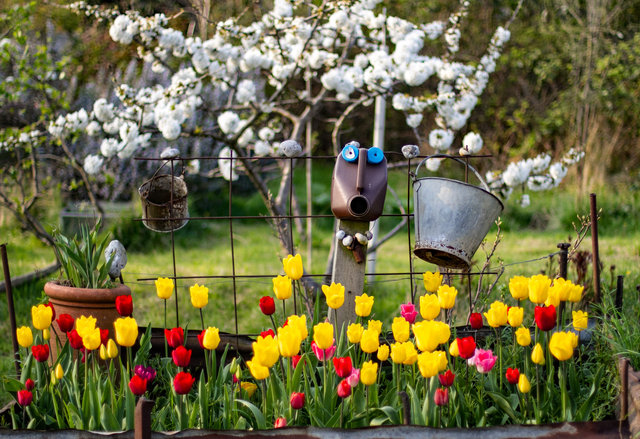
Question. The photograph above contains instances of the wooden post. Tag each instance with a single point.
(350, 274)
(142, 418)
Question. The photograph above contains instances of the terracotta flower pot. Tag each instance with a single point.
(99, 303)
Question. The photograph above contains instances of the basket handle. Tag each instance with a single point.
(153, 178)
(446, 156)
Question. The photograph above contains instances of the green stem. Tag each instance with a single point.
(201, 319)
(166, 347)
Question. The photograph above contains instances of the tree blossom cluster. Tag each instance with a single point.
(347, 50)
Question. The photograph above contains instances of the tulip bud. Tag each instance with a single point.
(112, 349)
(297, 400)
(46, 334)
(103, 352)
(59, 371)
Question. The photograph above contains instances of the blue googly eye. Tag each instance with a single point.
(350, 153)
(374, 155)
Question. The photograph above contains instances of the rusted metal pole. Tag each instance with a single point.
(619, 292)
(564, 258)
(406, 408)
(595, 249)
(142, 419)
(12, 312)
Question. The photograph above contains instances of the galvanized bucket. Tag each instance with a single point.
(164, 203)
(451, 217)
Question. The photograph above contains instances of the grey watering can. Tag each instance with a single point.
(451, 217)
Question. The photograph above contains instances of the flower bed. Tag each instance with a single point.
(304, 371)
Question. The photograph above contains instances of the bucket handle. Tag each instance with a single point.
(155, 175)
(445, 156)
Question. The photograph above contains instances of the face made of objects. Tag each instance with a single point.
(359, 183)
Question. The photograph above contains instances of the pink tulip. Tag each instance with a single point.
(354, 378)
(408, 311)
(323, 354)
(483, 360)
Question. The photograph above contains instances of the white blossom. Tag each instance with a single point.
(517, 173)
(224, 164)
(471, 143)
(433, 164)
(413, 120)
(170, 128)
(440, 139)
(246, 91)
(109, 147)
(262, 148)
(540, 163)
(92, 164)
(93, 128)
(229, 122)
(557, 171)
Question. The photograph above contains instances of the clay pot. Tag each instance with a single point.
(99, 303)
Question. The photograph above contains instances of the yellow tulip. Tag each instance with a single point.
(249, 387)
(429, 306)
(265, 351)
(497, 314)
(323, 335)
(368, 373)
(288, 341)
(164, 287)
(126, 331)
(334, 295)
(364, 304)
(523, 336)
(580, 320)
(46, 334)
(300, 323)
(211, 338)
(112, 349)
(199, 295)
(282, 287)
(561, 288)
(293, 266)
(537, 354)
(447, 296)
(383, 352)
(41, 316)
(59, 371)
(524, 386)
(91, 339)
(54, 380)
(370, 341)
(573, 337)
(575, 295)
(410, 353)
(515, 316)
(401, 329)
(442, 360)
(257, 370)
(519, 287)
(561, 345)
(398, 353)
(354, 332)
(539, 288)
(431, 281)
(430, 333)
(553, 297)
(429, 364)
(85, 324)
(25, 336)
(103, 352)
(376, 325)
(453, 348)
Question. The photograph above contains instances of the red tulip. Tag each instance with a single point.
(183, 382)
(466, 347)
(344, 389)
(181, 356)
(138, 385)
(201, 337)
(297, 400)
(446, 379)
(441, 397)
(475, 320)
(29, 384)
(124, 305)
(342, 366)
(40, 352)
(65, 322)
(268, 332)
(175, 337)
(74, 339)
(267, 305)
(53, 310)
(512, 375)
(295, 360)
(545, 317)
(104, 336)
(25, 397)
(280, 422)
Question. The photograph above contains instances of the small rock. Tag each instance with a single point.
(353, 143)
(347, 241)
(119, 261)
(340, 234)
(169, 153)
(362, 239)
(410, 151)
(290, 148)
(369, 235)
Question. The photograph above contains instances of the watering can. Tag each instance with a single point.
(451, 217)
